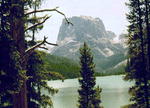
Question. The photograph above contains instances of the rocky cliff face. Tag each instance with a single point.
(93, 32)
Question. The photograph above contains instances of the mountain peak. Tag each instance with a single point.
(91, 18)
(83, 26)
(90, 30)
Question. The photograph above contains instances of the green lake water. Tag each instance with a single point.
(114, 92)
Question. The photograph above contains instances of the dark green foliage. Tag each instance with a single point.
(39, 93)
(87, 91)
(37, 82)
(6, 101)
(113, 71)
(137, 66)
(97, 97)
(10, 68)
(68, 68)
(129, 106)
(15, 26)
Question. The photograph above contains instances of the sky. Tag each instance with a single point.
(111, 12)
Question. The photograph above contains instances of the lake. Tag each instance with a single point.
(114, 92)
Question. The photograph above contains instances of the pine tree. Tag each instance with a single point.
(10, 67)
(87, 91)
(14, 17)
(138, 67)
(37, 82)
(36, 68)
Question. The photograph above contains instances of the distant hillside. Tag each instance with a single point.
(70, 69)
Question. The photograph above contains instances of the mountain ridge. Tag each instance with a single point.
(92, 31)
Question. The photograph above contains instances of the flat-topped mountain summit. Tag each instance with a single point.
(93, 32)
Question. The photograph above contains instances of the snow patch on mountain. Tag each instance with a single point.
(121, 63)
(108, 52)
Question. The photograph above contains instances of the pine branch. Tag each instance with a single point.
(48, 10)
(35, 25)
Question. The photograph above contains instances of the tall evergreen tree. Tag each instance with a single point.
(10, 66)
(36, 68)
(138, 65)
(87, 91)
(14, 16)
(37, 82)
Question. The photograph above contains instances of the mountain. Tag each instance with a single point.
(107, 53)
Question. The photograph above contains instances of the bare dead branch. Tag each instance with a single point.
(48, 10)
(51, 43)
(43, 48)
(43, 10)
(29, 51)
(40, 23)
(39, 45)
(35, 46)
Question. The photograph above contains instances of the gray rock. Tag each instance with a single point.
(93, 32)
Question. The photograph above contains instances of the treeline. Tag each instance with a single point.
(120, 70)
(71, 69)
(66, 67)
(105, 64)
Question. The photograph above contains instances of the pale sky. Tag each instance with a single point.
(112, 13)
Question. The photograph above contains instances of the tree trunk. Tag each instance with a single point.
(17, 33)
(20, 99)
